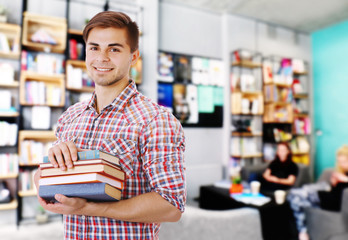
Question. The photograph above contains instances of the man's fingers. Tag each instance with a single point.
(52, 158)
(59, 157)
(66, 154)
(73, 150)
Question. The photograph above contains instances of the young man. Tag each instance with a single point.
(148, 140)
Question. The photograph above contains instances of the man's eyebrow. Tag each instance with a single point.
(109, 45)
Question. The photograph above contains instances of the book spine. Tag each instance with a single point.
(84, 155)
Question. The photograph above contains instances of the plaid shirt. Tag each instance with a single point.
(149, 142)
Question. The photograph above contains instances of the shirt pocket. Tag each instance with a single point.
(123, 149)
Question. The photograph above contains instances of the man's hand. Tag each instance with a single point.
(64, 205)
(63, 155)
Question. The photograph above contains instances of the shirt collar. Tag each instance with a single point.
(120, 101)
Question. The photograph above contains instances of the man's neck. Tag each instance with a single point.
(106, 94)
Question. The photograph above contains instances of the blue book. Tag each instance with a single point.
(93, 154)
(96, 192)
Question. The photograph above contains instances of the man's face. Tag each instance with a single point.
(108, 56)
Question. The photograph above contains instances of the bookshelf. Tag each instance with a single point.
(9, 206)
(52, 29)
(9, 38)
(42, 89)
(247, 108)
(287, 113)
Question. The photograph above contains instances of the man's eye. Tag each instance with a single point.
(114, 50)
(93, 48)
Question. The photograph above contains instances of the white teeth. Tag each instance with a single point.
(103, 69)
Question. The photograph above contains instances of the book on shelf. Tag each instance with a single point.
(25, 179)
(8, 136)
(32, 152)
(44, 63)
(6, 99)
(96, 192)
(298, 65)
(80, 167)
(302, 125)
(300, 145)
(7, 73)
(81, 178)
(40, 93)
(4, 43)
(8, 164)
(244, 146)
(93, 154)
(304, 159)
(281, 136)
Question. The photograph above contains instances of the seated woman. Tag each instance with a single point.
(319, 194)
(281, 172)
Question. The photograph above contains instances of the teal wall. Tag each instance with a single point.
(330, 89)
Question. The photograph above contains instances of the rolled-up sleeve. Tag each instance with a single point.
(163, 158)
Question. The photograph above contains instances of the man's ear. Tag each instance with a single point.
(135, 57)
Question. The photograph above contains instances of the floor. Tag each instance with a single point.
(32, 231)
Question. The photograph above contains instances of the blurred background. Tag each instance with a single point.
(240, 75)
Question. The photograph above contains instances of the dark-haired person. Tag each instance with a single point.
(148, 140)
(282, 171)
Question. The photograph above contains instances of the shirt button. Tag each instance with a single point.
(114, 151)
(83, 217)
(90, 143)
(96, 121)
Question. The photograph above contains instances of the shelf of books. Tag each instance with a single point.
(77, 78)
(33, 146)
(9, 40)
(42, 89)
(44, 33)
(286, 117)
(9, 206)
(247, 107)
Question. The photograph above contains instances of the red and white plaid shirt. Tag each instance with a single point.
(150, 144)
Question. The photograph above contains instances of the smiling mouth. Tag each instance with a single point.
(103, 69)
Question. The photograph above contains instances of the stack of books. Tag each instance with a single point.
(96, 176)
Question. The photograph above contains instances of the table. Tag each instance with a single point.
(277, 221)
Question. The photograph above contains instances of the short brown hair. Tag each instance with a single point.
(116, 20)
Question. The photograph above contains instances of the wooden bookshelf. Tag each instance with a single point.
(28, 193)
(246, 134)
(55, 27)
(300, 96)
(301, 115)
(37, 135)
(76, 64)
(9, 55)
(9, 206)
(300, 73)
(50, 80)
(236, 102)
(9, 176)
(247, 64)
(9, 114)
(258, 155)
(75, 32)
(12, 33)
(14, 84)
